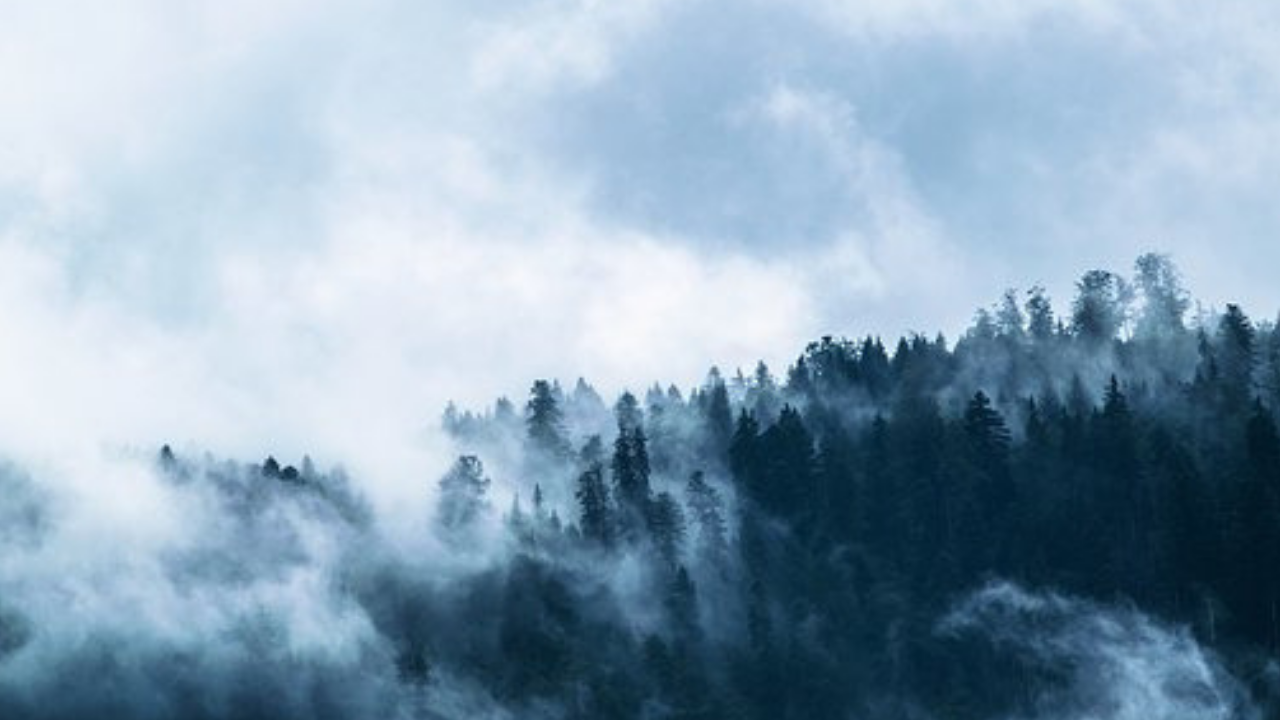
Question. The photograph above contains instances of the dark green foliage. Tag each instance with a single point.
(787, 550)
(1040, 321)
(1100, 307)
(785, 483)
(544, 419)
(666, 526)
(1165, 302)
(718, 416)
(630, 467)
(594, 516)
(1235, 359)
(707, 510)
(462, 493)
(869, 491)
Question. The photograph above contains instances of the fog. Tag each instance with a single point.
(276, 229)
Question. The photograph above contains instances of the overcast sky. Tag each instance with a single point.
(278, 225)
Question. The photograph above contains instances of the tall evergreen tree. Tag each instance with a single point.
(630, 468)
(708, 513)
(1257, 538)
(1100, 308)
(667, 527)
(988, 441)
(1040, 320)
(744, 450)
(594, 516)
(785, 483)
(719, 415)
(1010, 322)
(1236, 358)
(544, 420)
(462, 494)
(1164, 301)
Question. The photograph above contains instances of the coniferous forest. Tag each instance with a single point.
(1071, 511)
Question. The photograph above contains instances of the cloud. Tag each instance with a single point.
(1113, 663)
(270, 226)
(275, 227)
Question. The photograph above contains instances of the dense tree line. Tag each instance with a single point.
(1055, 515)
(798, 539)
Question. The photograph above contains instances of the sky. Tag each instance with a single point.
(285, 226)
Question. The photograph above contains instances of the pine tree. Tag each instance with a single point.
(1236, 358)
(630, 468)
(682, 606)
(718, 416)
(666, 526)
(1165, 302)
(744, 450)
(1257, 538)
(988, 441)
(708, 513)
(1040, 321)
(1100, 308)
(594, 516)
(785, 483)
(544, 420)
(462, 493)
(1010, 322)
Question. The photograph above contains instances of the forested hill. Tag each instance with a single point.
(1063, 514)
(801, 537)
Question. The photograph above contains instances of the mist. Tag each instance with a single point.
(639, 359)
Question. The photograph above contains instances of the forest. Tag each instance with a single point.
(1064, 513)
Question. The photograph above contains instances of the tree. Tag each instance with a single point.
(593, 496)
(270, 468)
(682, 606)
(1191, 537)
(873, 368)
(667, 526)
(1236, 358)
(462, 493)
(984, 327)
(544, 420)
(167, 460)
(1263, 447)
(719, 416)
(785, 483)
(988, 441)
(705, 505)
(585, 404)
(1256, 551)
(1164, 301)
(1100, 309)
(1116, 434)
(1269, 375)
(1010, 322)
(837, 469)
(743, 450)
(1040, 321)
(630, 468)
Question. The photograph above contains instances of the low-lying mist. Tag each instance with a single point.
(1059, 516)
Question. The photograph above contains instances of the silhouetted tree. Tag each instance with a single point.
(630, 468)
(1100, 307)
(594, 516)
(462, 493)
(1165, 302)
(1040, 320)
(544, 420)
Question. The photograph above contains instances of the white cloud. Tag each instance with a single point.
(555, 42)
(898, 247)
(261, 225)
(981, 20)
